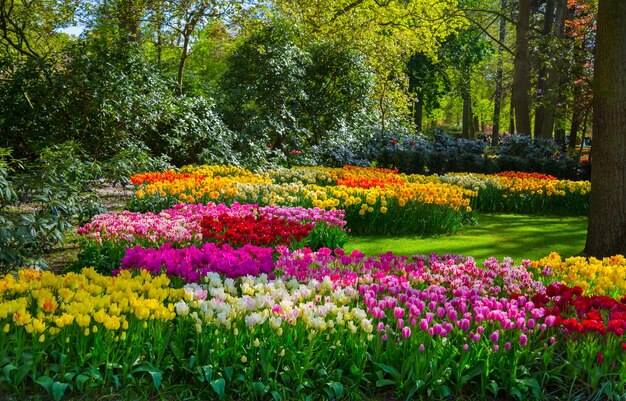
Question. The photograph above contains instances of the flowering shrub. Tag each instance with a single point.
(594, 276)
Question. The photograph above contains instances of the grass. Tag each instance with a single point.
(499, 235)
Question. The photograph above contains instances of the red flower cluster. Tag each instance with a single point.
(369, 182)
(168, 175)
(583, 314)
(253, 229)
(519, 174)
(371, 169)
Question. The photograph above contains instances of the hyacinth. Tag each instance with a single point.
(191, 264)
(181, 224)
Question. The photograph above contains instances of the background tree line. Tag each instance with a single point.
(202, 80)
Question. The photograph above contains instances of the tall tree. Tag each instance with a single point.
(387, 32)
(552, 92)
(580, 31)
(542, 84)
(497, 101)
(521, 69)
(607, 215)
(28, 27)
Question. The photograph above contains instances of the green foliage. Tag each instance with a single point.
(281, 95)
(41, 202)
(523, 153)
(108, 100)
(190, 131)
(134, 158)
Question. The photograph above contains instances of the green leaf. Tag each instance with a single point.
(7, 371)
(444, 391)
(418, 385)
(337, 388)
(218, 385)
(385, 382)
(259, 389)
(80, 381)
(228, 372)
(493, 387)
(58, 389)
(516, 393)
(156, 374)
(472, 374)
(45, 382)
(390, 369)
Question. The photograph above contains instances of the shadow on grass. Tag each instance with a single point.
(499, 235)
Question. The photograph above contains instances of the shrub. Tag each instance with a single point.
(41, 202)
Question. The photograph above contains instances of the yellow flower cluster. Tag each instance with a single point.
(518, 184)
(310, 186)
(594, 276)
(45, 303)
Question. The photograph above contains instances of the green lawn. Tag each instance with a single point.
(499, 235)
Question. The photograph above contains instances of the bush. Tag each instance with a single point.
(40, 202)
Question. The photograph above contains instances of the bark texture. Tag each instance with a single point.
(521, 70)
(607, 215)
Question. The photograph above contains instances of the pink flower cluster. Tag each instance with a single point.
(438, 295)
(180, 225)
(191, 264)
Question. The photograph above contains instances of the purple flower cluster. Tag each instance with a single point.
(191, 264)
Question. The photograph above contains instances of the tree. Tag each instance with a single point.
(387, 32)
(186, 16)
(497, 101)
(463, 52)
(285, 96)
(521, 71)
(28, 27)
(580, 31)
(607, 215)
(428, 82)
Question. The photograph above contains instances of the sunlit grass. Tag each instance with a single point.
(499, 235)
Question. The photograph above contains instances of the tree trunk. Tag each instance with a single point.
(418, 114)
(512, 116)
(182, 60)
(554, 75)
(542, 85)
(497, 101)
(521, 70)
(128, 20)
(606, 234)
(467, 111)
(578, 107)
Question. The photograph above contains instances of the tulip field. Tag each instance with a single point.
(223, 283)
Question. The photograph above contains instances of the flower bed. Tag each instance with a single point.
(106, 238)
(513, 192)
(594, 276)
(374, 200)
(331, 325)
